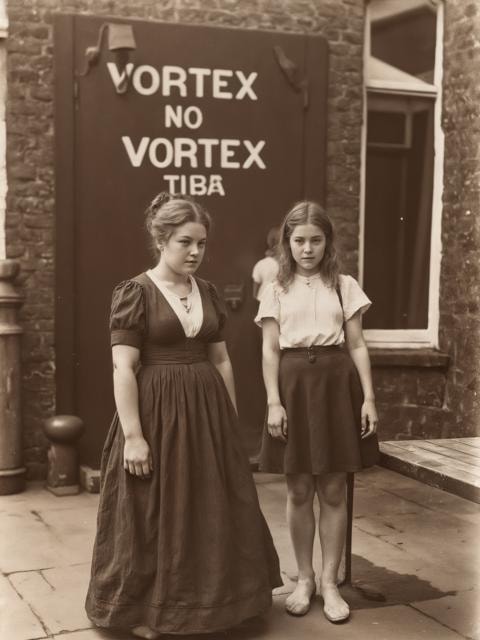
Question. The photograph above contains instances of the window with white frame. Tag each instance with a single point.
(402, 172)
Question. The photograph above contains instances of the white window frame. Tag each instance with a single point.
(410, 338)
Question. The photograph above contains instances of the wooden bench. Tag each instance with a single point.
(452, 464)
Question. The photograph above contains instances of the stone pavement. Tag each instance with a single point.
(416, 566)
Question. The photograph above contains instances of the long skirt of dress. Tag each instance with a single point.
(323, 398)
(188, 550)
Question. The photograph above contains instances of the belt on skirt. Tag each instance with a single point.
(311, 353)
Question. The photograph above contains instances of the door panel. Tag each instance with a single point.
(102, 221)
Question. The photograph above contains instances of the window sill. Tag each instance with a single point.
(409, 358)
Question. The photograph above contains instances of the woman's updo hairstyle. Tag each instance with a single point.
(168, 211)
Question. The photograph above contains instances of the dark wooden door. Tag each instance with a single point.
(248, 119)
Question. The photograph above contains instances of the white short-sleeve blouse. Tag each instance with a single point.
(309, 313)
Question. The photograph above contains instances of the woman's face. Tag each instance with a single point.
(184, 250)
(307, 244)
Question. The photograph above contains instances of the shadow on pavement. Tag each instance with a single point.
(382, 587)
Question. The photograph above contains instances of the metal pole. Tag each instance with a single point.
(348, 539)
(345, 569)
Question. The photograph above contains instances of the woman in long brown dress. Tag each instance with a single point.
(182, 546)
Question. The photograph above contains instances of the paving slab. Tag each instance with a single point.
(56, 595)
(370, 501)
(383, 554)
(427, 498)
(75, 528)
(17, 620)
(93, 634)
(396, 622)
(37, 497)
(26, 543)
(385, 479)
(460, 612)
(401, 560)
(49, 537)
(422, 534)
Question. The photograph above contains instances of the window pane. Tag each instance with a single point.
(403, 35)
(386, 128)
(399, 182)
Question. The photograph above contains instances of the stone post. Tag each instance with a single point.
(12, 471)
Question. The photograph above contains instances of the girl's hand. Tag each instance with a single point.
(369, 418)
(137, 458)
(277, 422)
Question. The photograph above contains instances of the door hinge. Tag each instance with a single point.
(293, 74)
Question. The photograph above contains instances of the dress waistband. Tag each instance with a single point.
(187, 352)
(312, 352)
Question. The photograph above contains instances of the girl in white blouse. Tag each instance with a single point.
(320, 395)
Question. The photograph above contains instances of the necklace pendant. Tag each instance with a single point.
(186, 303)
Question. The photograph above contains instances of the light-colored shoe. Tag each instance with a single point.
(142, 631)
(338, 619)
(296, 608)
(339, 616)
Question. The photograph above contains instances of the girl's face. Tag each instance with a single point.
(307, 244)
(184, 250)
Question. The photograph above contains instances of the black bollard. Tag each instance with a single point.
(63, 431)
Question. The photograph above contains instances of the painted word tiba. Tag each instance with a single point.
(195, 185)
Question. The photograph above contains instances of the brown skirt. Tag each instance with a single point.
(321, 392)
(187, 551)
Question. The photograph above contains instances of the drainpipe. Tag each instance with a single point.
(12, 471)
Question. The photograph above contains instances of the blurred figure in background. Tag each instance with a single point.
(266, 269)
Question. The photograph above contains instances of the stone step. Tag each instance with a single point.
(451, 464)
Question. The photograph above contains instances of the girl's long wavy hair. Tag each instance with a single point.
(168, 211)
(306, 212)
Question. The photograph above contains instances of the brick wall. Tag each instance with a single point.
(411, 397)
(30, 203)
(460, 276)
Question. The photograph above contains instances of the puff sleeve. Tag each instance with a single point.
(353, 297)
(269, 305)
(221, 311)
(256, 275)
(127, 315)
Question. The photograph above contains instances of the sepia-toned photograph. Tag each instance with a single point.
(240, 319)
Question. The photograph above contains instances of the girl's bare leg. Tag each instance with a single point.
(301, 522)
(331, 491)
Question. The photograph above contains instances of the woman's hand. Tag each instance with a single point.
(277, 422)
(137, 458)
(369, 418)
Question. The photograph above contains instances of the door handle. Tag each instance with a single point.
(233, 295)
